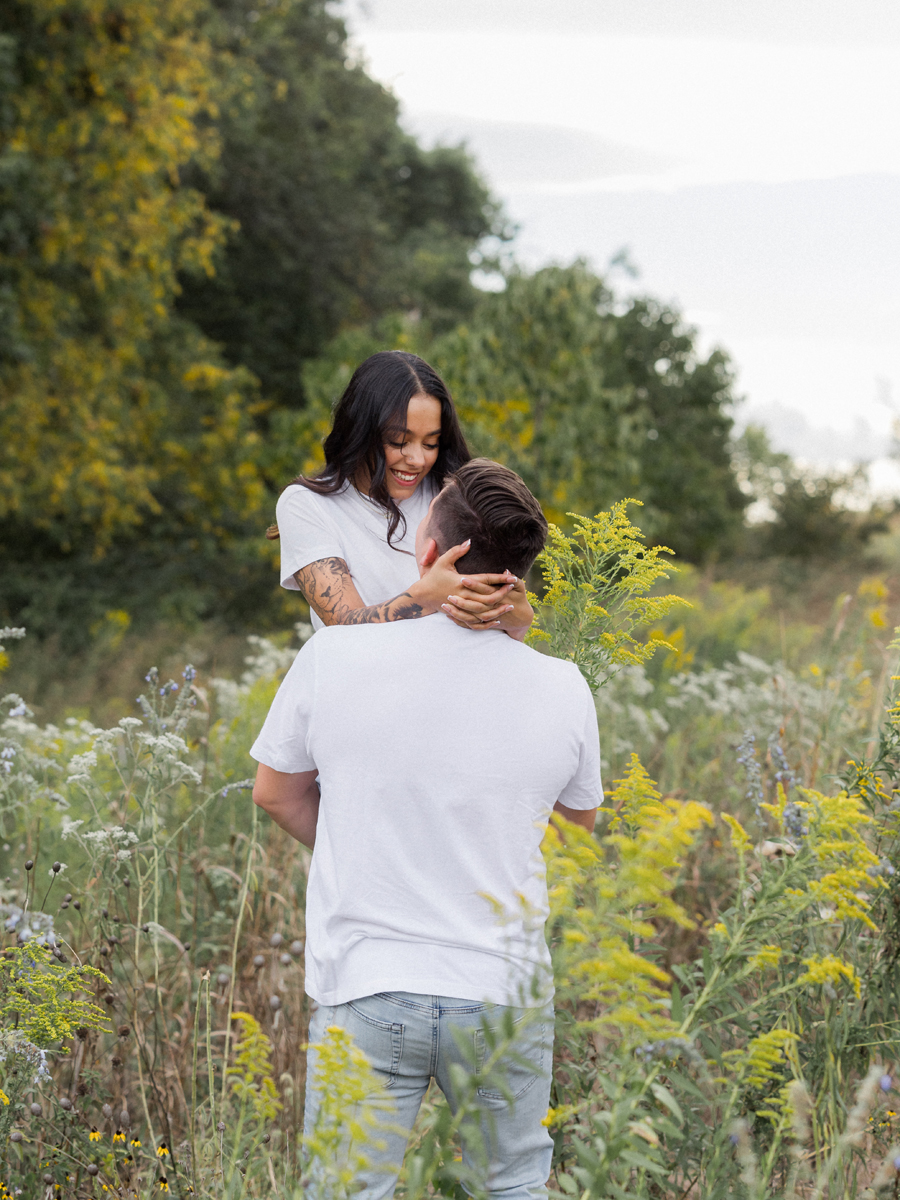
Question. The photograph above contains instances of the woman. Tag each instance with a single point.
(348, 536)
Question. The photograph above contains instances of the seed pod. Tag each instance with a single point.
(66, 1103)
(81, 1033)
(107, 1111)
(29, 863)
(16, 1135)
(104, 912)
(92, 1169)
(296, 948)
(124, 1031)
(67, 898)
(124, 1118)
(221, 1127)
(222, 979)
(56, 868)
(145, 929)
(276, 939)
(47, 1177)
(267, 1137)
(36, 1110)
(187, 945)
(76, 904)
(259, 960)
(274, 1003)
(285, 960)
(126, 882)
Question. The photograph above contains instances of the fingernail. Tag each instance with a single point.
(467, 542)
(453, 600)
(508, 608)
(445, 607)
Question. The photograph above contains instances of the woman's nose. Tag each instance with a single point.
(414, 455)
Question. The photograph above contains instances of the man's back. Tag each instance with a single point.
(441, 754)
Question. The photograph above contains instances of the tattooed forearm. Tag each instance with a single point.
(328, 586)
(400, 608)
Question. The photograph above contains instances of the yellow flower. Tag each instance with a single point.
(828, 969)
(4, 1099)
(95, 1135)
(766, 956)
(720, 929)
(163, 1185)
(118, 1136)
(163, 1150)
(136, 1142)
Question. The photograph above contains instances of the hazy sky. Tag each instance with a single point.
(746, 152)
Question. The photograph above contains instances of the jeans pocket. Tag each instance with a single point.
(381, 1041)
(521, 1063)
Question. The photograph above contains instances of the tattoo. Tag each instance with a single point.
(326, 584)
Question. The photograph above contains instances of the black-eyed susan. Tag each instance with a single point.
(95, 1135)
(163, 1185)
(162, 1150)
(136, 1142)
(118, 1136)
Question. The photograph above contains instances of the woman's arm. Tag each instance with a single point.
(330, 591)
(328, 587)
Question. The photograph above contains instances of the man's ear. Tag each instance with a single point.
(430, 554)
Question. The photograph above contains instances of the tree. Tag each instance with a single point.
(113, 411)
(339, 216)
(803, 513)
(693, 502)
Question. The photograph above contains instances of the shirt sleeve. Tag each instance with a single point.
(284, 740)
(305, 533)
(584, 790)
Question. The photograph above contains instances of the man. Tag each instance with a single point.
(441, 756)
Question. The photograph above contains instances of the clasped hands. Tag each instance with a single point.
(477, 602)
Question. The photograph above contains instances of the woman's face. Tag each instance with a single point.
(410, 453)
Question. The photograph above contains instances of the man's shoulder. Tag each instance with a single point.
(548, 667)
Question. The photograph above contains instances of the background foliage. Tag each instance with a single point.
(209, 214)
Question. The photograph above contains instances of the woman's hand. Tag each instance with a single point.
(475, 601)
(467, 606)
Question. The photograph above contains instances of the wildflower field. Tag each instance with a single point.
(725, 946)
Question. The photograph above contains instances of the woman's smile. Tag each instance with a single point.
(405, 478)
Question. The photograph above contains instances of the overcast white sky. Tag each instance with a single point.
(747, 152)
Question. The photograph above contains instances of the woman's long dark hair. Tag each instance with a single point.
(374, 402)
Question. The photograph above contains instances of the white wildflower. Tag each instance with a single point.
(82, 764)
(70, 827)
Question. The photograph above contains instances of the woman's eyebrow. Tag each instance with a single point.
(406, 432)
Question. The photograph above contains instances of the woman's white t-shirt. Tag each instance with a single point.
(350, 526)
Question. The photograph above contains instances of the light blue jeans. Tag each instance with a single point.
(410, 1039)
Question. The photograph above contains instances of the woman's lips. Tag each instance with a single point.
(406, 479)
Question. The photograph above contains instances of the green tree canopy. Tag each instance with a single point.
(112, 412)
(340, 216)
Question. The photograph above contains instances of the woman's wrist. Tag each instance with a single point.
(520, 617)
(422, 595)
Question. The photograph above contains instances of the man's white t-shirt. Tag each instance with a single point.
(350, 526)
(441, 753)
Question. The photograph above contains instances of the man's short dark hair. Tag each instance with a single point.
(491, 505)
